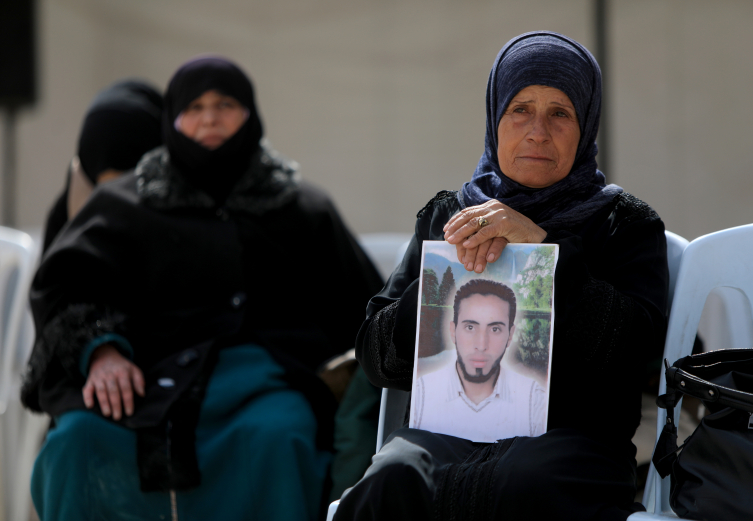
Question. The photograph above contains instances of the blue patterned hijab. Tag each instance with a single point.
(554, 60)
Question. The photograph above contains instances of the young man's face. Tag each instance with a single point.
(481, 335)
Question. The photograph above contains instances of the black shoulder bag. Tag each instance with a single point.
(712, 472)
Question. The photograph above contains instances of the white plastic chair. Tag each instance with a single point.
(16, 265)
(675, 248)
(645, 435)
(386, 250)
(20, 431)
(722, 259)
(725, 322)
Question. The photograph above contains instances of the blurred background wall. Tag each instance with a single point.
(382, 101)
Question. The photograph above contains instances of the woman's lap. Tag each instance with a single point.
(255, 446)
(562, 475)
(87, 470)
(264, 464)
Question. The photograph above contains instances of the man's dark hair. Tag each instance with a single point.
(485, 287)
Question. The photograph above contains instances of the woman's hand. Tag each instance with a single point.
(114, 378)
(476, 245)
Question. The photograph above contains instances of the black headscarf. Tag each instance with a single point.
(554, 60)
(213, 171)
(122, 123)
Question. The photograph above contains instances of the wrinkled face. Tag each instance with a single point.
(481, 335)
(538, 137)
(211, 119)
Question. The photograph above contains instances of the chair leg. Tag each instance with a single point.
(332, 509)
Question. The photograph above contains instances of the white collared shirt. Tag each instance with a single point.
(516, 407)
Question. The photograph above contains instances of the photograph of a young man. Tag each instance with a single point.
(475, 396)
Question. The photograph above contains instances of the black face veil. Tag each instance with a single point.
(213, 171)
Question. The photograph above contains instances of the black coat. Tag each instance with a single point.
(611, 285)
(57, 217)
(157, 262)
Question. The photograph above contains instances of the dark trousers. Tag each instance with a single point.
(563, 475)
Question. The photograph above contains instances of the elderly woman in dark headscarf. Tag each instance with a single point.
(122, 124)
(537, 182)
(179, 358)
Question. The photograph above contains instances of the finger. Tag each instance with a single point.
(470, 228)
(126, 392)
(495, 249)
(469, 261)
(480, 262)
(460, 250)
(113, 392)
(486, 233)
(88, 392)
(104, 402)
(449, 223)
(138, 381)
(463, 224)
(460, 217)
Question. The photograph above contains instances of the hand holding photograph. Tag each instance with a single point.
(484, 343)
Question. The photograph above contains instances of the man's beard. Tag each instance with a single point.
(479, 377)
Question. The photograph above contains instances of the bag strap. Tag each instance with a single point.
(665, 452)
(691, 385)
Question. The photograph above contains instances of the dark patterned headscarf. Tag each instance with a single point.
(217, 171)
(554, 60)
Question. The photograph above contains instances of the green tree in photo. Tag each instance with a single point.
(533, 343)
(534, 282)
(446, 287)
(533, 287)
(430, 290)
(539, 293)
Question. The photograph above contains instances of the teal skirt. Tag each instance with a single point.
(255, 443)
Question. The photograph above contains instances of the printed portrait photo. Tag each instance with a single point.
(484, 343)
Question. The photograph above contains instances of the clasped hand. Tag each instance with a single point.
(477, 245)
(113, 378)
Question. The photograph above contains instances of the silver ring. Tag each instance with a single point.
(482, 222)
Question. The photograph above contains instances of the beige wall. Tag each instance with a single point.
(683, 109)
(382, 101)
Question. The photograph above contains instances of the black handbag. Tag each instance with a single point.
(711, 474)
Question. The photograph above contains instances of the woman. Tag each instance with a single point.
(537, 182)
(176, 354)
(123, 123)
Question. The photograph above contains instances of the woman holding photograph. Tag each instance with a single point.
(177, 356)
(536, 182)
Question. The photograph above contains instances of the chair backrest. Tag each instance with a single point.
(394, 402)
(391, 414)
(21, 431)
(385, 249)
(675, 247)
(720, 259)
(17, 257)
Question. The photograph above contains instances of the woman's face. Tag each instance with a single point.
(211, 119)
(538, 137)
